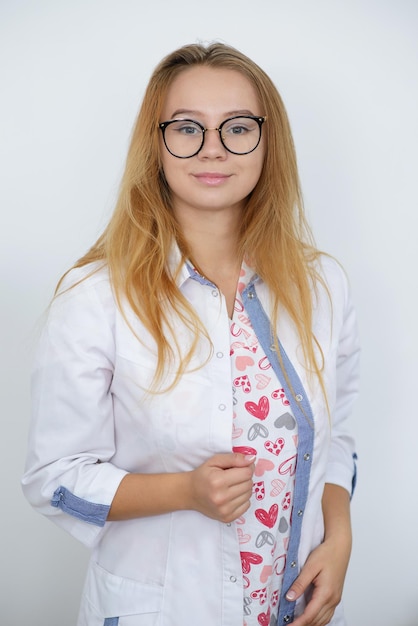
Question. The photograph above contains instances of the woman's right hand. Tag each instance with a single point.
(221, 487)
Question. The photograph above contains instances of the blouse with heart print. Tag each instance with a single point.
(263, 424)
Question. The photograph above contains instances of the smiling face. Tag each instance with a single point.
(214, 179)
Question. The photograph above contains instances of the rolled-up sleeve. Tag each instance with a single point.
(341, 468)
(69, 475)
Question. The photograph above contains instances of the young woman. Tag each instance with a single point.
(196, 373)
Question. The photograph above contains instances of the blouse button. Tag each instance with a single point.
(286, 619)
(299, 398)
(306, 456)
(251, 295)
(300, 513)
(293, 564)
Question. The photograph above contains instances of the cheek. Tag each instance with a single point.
(254, 171)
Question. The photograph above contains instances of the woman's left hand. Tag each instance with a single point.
(325, 569)
(326, 566)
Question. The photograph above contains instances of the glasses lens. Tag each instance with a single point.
(241, 134)
(183, 138)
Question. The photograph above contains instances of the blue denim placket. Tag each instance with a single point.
(303, 413)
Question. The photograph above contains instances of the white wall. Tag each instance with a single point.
(72, 75)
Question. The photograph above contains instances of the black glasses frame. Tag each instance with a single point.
(259, 119)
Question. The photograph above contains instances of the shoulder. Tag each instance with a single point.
(83, 289)
(331, 279)
(88, 276)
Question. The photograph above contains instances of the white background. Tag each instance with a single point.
(72, 77)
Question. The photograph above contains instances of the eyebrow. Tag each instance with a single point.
(187, 112)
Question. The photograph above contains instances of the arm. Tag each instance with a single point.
(72, 438)
(220, 488)
(326, 566)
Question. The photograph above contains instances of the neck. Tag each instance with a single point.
(212, 239)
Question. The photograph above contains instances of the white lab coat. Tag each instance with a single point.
(90, 404)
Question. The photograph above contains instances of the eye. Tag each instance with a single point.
(240, 126)
(185, 127)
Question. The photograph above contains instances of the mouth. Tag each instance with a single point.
(211, 178)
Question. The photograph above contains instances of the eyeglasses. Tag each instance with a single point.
(184, 138)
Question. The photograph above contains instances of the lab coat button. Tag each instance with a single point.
(219, 355)
(233, 579)
(215, 293)
(222, 407)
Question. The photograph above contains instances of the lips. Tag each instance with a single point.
(211, 178)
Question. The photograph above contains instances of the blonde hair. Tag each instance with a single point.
(275, 236)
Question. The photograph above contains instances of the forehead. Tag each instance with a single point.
(209, 91)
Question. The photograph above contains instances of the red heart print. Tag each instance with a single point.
(244, 382)
(244, 450)
(259, 490)
(236, 432)
(279, 564)
(266, 572)
(236, 331)
(286, 501)
(268, 518)
(264, 618)
(241, 362)
(244, 319)
(275, 447)
(263, 465)
(277, 485)
(279, 393)
(248, 559)
(262, 381)
(260, 410)
(264, 363)
(288, 466)
(242, 537)
(260, 594)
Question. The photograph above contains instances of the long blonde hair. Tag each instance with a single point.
(137, 242)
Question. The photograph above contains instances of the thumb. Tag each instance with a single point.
(232, 459)
(299, 586)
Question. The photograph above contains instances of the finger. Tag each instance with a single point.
(232, 459)
(235, 509)
(311, 617)
(299, 587)
(318, 611)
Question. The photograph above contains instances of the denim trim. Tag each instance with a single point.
(111, 621)
(303, 413)
(77, 507)
(196, 276)
(354, 481)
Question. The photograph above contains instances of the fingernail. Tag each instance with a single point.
(291, 595)
(250, 457)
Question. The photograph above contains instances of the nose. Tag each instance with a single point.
(212, 145)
